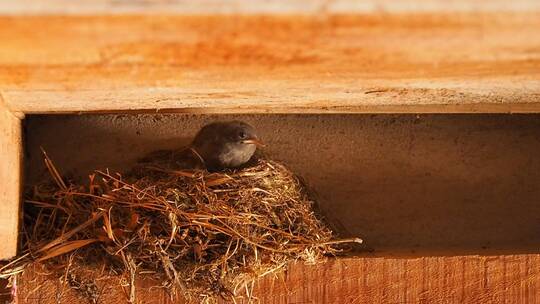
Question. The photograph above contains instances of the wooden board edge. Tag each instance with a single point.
(11, 178)
(465, 108)
(449, 279)
(254, 7)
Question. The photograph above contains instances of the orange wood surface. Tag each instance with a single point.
(459, 279)
(10, 181)
(430, 62)
(81, 7)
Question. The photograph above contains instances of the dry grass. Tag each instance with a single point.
(203, 235)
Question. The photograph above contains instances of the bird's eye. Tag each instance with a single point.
(242, 135)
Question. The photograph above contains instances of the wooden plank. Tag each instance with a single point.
(10, 178)
(258, 6)
(399, 63)
(459, 279)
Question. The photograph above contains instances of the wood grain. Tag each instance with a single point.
(459, 279)
(258, 6)
(431, 63)
(10, 179)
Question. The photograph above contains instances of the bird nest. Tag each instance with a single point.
(203, 235)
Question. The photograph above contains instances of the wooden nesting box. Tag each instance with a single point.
(423, 156)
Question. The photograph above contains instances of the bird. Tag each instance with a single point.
(228, 144)
(217, 146)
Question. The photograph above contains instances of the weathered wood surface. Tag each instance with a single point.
(460, 279)
(433, 62)
(10, 181)
(258, 6)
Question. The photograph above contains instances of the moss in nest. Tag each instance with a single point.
(203, 235)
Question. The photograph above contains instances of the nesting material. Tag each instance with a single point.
(203, 235)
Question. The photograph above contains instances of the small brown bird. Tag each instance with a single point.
(218, 145)
(228, 144)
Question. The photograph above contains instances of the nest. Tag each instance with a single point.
(203, 235)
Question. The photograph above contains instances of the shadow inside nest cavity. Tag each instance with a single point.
(407, 185)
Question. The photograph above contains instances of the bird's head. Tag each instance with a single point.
(241, 133)
(226, 144)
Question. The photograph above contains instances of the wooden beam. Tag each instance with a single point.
(459, 279)
(10, 179)
(258, 6)
(375, 63)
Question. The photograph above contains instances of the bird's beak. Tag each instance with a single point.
(253, 141)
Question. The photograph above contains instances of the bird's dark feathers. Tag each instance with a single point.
(224, 131)
(216, 146)
(223, 144)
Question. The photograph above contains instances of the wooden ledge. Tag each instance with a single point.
(460, 279)
(399, 63)
(259, 6)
